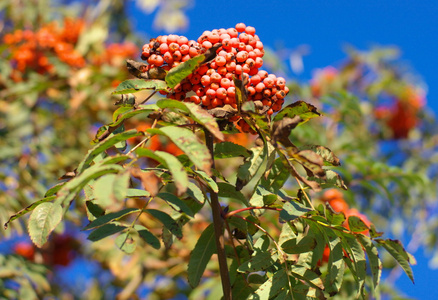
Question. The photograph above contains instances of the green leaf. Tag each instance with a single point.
(227, 190)
(211, 183)
(175, 167)
(295, 246)
(229, 149)
(167, 221)
(307, 275)
(147, 236)
(176, 203)
(330, 159)
(201, 255)
(197, 113)
(356, 224)
(292, 210)
(302, 109)
(105, 145)
(111, 217)
(126, 242)
(259, 262)
(336, 265)
(333, 217)
(332, 179)
(135, 85)
(95, 210)
(260, 157)
(271, 287)
(395, 248)
(105, 231)
(180, 72)
(27, 209)
(134, 193)
(359, 262)
(54, 189)
(123, 113)
(276, 177)
(43, 220)
(189, 143)
(373, 258)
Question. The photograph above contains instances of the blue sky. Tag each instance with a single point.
(327, 26)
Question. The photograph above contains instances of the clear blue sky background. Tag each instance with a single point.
(326, 26)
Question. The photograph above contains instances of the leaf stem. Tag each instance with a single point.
(232, 213)
(218, 223)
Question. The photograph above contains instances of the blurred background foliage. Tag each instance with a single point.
(59, 63)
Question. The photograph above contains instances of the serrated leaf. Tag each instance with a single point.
(135, 85)
(276, 177)
(396, 249)
(211, 183)
(271, 287)
(176, 203)
(336, 266)
(175, 167)
(229, 149)
(178, 73)
(295, 246)
(95, 210)
(104, 231)
(167, 221)
(126, 242)
(292, 210)
(227, 190)
(359, 262)
(105, 145)
(333, 217)
(312, 161)
(27, 209)
(307, 275)
(329, 157)
(43, 220)
(147, 236)
(331, 179)
(201, 255)
(373, 258)
(259, 262)
(54, 189)
(124, 113)
(111, 217)
(302, 109)
(356, 224)
(189, 143)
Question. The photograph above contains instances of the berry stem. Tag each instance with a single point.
(218, 223)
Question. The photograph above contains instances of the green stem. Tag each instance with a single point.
(218, 223)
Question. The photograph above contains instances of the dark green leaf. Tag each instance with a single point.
(147, 236)
(395, 248)
(331, 179)
(180, 72)
(167, 221)
(276, 177)
(211, 183)
(43, 220)
(271, 287)
(111, 217)
(94, 209)
(105, 231)
(336, 265)
(229, 149)
(356, 224)
(176, 203)
(227, 190)
(259, 262)
(121, 115)
(201, 255)
(373, 258)
(359, 262)
(305, 244)
(135, 85)
(292, 210)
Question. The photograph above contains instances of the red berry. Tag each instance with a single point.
(240, 27)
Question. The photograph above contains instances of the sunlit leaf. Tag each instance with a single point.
(111, 217)
(395, 248)
(43, 220)
(178, 73)
(135, 85)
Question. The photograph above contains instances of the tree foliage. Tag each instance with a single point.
(278, 206)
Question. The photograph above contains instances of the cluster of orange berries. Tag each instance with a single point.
(31, 50)
(402, 116)
(211, 85)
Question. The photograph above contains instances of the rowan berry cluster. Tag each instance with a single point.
(30, 49)
(239, 54)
